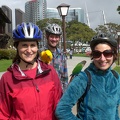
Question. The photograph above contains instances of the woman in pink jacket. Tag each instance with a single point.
(30, 89)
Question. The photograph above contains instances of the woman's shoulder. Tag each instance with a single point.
(116, 74)
(81, 78)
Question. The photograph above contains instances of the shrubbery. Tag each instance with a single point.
(7, 53)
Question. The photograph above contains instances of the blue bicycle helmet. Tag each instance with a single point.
(27, 31)
(102, 37)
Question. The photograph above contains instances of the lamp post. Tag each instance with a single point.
(118, 33)
(63, 11)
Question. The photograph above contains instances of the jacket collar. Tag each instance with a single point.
(98, 71)
(42, 69)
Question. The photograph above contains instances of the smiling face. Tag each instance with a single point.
(27, 51)
(105, 60)
(53, 40)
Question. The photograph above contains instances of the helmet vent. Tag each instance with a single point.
(28, 31)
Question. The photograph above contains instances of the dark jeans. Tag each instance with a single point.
(70, 56)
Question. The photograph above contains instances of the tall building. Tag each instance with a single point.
(35, 10)
(8, 13)
(19, 16)
(73, 14)
(3, 20)
(52, 13)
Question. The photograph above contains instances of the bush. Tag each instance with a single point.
(7, 53)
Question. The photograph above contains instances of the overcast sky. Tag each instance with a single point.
(94, 8)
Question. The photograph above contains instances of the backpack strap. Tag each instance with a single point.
(115, 73)
(86, 90)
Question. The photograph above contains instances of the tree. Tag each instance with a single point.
(77, 31)
(108, 28)
(118, 9)
(4, 38)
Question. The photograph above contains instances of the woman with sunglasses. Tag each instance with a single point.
(103, 98)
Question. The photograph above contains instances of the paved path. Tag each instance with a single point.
(74, 61)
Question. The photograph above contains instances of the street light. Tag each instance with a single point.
(118, 33)
(63, 11)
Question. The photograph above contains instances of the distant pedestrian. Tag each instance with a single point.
(71, 53)
(83, 50)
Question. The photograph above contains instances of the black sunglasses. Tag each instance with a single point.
(106, 53)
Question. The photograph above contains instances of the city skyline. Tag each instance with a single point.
(94, 8)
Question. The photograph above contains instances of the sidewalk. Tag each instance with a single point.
(74, 61)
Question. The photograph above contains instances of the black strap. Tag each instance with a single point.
(87, 89)
(115, 74)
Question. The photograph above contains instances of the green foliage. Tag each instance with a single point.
(10, 42)
(80, 55)
(118, 9)
(77, 31)
(74, 30)
(117, 68)
(108, 28)
(7, 53)
(4, 64)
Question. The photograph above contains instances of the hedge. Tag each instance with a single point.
(7, 53)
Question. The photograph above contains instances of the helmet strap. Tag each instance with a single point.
(28, 63)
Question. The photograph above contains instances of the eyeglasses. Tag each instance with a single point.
(106, 53)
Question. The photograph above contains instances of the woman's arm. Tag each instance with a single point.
(74, 91)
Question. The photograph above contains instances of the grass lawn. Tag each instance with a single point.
(4, 64)
(117, 68)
